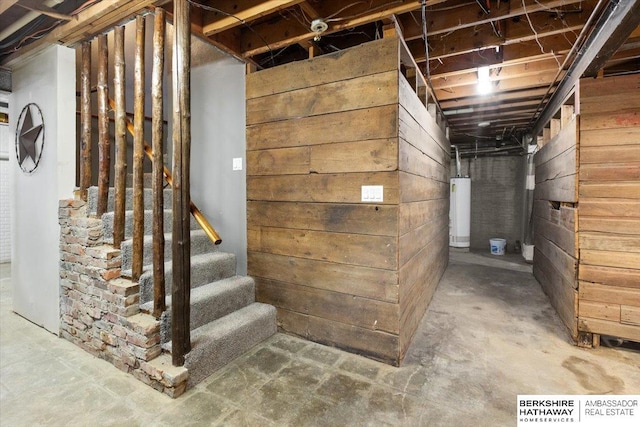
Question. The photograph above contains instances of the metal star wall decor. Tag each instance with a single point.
(29, 138)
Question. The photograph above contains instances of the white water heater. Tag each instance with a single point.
(460, 213)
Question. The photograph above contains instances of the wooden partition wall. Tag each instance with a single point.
(609, 222)
(587, 211)
(554, 218)
(353, 273)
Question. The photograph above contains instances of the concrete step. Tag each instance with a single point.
(92, 199)
(210, 302)
(200, 244)
(205, 268)
(107, 224)
(216, 344)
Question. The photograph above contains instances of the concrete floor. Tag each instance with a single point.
(489, 335)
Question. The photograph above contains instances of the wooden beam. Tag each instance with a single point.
(104, 147)
(447, 21)
(612, 28)
(120, 168)
(468, 64)
(6, 4)
(284, 33)
(470, 40)
(157, 141)
(227, 41)
(252, 10)
(495, 98)
(37, 6)
(105, 21)
(138, 150)
(461, 63)
(555, 45)
(92, 21)
(85, 119)
(498, 73)
(505, 106)
(543, 79)
(485, 114)
(181, 244)
(311, 12)
(460, 18)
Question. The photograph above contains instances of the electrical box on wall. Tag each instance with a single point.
(237, 164)
(372, 193)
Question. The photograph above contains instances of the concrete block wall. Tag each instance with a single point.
(100, 311)
(497, 198)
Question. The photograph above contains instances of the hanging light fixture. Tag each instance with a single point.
(484, 84)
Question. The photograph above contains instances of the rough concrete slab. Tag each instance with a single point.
(489, 334)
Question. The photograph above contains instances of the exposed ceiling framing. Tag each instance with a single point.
(528, 45)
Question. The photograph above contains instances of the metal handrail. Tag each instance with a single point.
(197, 214)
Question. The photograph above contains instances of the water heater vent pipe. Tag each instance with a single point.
(457, 161)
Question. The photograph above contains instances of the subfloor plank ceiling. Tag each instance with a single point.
(493, 64)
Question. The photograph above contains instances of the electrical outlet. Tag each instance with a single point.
(237, 163)
(372, 193)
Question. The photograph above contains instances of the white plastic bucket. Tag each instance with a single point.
(497, 246)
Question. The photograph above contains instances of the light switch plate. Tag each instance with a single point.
(237, 163)
(372, 193)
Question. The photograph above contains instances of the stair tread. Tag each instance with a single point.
(228, 323)
(199, 259)
(130, 211)
(200, 243)
(209, 290)
(168, 235)
(218, 343)
(93, 197)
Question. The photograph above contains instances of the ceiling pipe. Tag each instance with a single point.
(468, 110)
(491, 151)
(611, 30)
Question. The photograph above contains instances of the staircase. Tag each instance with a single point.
(225, 319)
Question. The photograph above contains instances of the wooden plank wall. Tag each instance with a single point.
(609, 208)
(555, 261)
(318, 130)
(424, 162)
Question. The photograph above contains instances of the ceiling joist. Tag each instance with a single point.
(526, 44)
(252, 11)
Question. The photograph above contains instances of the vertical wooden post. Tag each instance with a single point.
(566, 114)
(104, 149)
(157, 136)
(313, 51)
(120, 178)
(138, 153)
(85, 120)
(555, 127)
(181, 248)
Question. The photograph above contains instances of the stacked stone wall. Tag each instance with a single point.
(100, 311)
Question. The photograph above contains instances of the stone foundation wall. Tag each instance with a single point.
(100, 310)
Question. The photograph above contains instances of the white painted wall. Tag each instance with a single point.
(49, 81)
(218, 135)
(6, 148)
